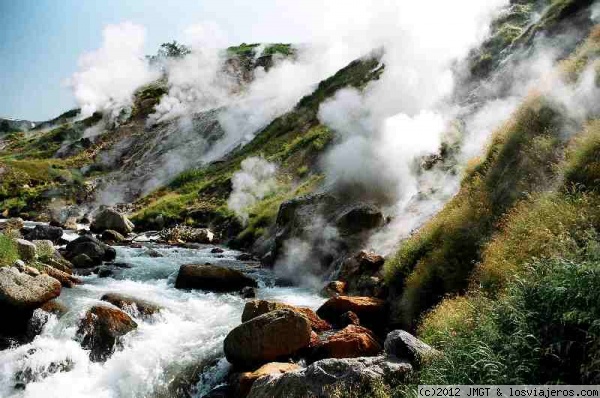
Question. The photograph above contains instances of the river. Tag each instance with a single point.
(164, 352)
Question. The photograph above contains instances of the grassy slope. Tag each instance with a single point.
(294, 141)
(514, 258)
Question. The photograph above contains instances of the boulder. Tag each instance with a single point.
(82, 261)
(217, 250)
(113, 220)
(351, 342)
(20, 295)
(362, 273)
(26, 249)
(101, 330)
(110, 236)
(23, 292)
(59, 262)
(349, 318)
(371, 311)
(45, 232)
(320, 378)
(131, 305)
(66, 280)
(95, 250)
(359, 218)
(255, 308)
(248, 292)
(246, 379)
(267, 338)
(54, 307)
(44, 248)
(334, 289)
(212, 278)
(404, 345)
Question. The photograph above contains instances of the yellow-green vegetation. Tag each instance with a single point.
(8, 251)
(586, 52)
(440, 257)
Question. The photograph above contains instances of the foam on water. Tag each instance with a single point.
(184, 339)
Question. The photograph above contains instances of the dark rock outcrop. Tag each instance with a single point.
(404, 345)
(275, 335)
(363, 275)
(95, 250)
(110, 236)
(101, 329)
(212, 278)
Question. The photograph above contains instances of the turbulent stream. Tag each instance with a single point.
(173, 347)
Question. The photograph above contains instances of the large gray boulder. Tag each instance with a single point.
(212, 278)
(113, 220)
(267, 338)
(20, 295)
(20, 291)
(323, 377)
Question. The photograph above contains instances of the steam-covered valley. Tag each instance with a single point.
(409, 198)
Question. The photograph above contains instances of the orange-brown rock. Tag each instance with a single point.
(247, 379)
(267, 338)
(255, 308)
(101, 329)
(66, 280)
(370, 311)
(351, 342)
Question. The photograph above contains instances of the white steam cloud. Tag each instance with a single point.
(108, 77)
(253, 182)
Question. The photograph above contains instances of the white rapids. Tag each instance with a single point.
(162, 354)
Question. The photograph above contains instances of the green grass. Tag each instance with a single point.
(8, 251)
(440, 257)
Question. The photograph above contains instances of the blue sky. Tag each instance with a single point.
(41, 40)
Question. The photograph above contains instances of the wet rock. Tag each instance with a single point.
(223, 391)
(359, 218)
(95, 250)
(362, 273)
(212, 278)
(45, 232)
(244, 257)
(105, 272)
(351, 342)
(217, 250)
(247, 379)
(349, 318)
(31, 374)
(113, 220)
(20, 295)
(101, 330)
(132, 305)
(267, 338)
(255, 308)
(110, 236)
(54, 307)
(82, 261)
(66, 280)
(334, 289)
(371, 311)
(154, 253)
(248, 292)
(318, 378)
(26, 249)
(404, 345)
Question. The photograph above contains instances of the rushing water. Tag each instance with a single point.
(183, 340)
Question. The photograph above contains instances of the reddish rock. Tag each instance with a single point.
(131, 305)
(65, 279)
(370, 311)
(349, 318)
(351, 342)
(101, 329)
